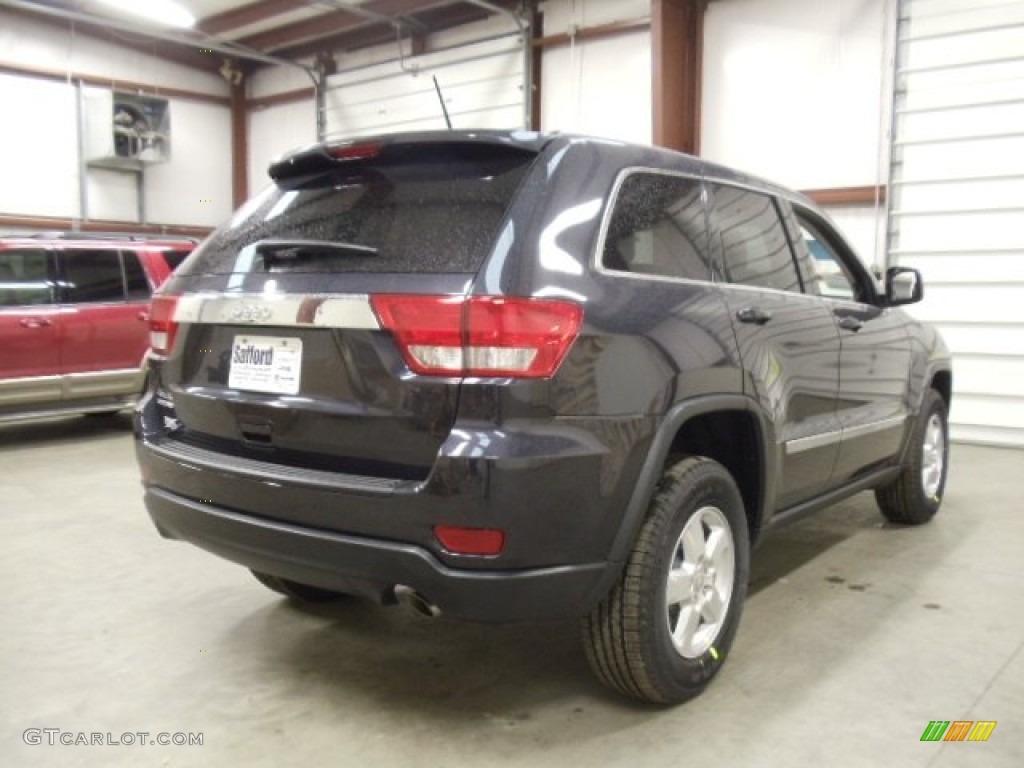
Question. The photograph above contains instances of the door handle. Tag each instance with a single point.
(142, 317)
(754, 315)
(850, 323)
(35, 322)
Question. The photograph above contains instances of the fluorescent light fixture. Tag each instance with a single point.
(168, 12)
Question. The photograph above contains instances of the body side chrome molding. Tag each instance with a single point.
(811, 442)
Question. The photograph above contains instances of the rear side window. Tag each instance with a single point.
(25, 278)
(413, 209)
(658, 228)
(93, 276)
(755, 250)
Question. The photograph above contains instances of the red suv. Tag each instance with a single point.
(73, 319)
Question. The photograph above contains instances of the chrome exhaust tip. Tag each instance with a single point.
(410, 598)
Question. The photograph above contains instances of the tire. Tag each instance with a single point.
(916, 495)
(628, 638)
(302, 592)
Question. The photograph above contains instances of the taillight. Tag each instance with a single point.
(480, 335)
(162, 328)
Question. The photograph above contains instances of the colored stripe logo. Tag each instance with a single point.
(958, 730)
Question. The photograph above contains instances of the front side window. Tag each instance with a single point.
(93, 276)
(830, 278)
(658, 228)
(25, 278)
(755, 250)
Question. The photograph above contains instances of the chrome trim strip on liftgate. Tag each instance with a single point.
(313, 310)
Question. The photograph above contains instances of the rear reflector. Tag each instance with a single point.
(480, 335)
(470, 541)
(162, 328)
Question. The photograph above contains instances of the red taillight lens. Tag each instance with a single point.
(162, 327)
(480, 335)
(470, 541)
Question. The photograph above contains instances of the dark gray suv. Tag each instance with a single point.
(512, 376)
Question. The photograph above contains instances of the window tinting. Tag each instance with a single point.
(429, 209)
(135, 277)
(657, 228)
(24, 279)
(754, 245)
(93, 276)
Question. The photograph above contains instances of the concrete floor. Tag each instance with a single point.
(855, 636)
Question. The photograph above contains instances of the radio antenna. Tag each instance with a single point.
(437, 87)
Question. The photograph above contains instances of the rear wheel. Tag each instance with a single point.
(293, 589)
(664, 631)
(915, 496)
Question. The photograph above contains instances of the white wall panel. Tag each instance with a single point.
(194, 188)
(600, 87)
(797, 91)
(39, 145)
(28, 42)
(274, 131)
(957, 198)
(38, 148)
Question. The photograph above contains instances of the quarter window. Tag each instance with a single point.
(658, 228)
(135, 277)
(24, 278)
(755, 250)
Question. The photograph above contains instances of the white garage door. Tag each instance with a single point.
(481, 82)
(957, 197)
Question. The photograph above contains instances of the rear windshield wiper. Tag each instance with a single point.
(295, 250)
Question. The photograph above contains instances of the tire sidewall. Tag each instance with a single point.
(716, 488)
(933, 405)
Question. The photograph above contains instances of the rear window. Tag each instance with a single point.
(412, 209)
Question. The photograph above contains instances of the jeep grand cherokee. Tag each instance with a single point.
(513, 376)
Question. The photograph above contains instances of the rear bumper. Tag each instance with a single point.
(371, 567)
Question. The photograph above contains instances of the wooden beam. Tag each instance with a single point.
(96, 225)
(117, 85)
(848, 195)
(598, 32)
(239, 146)
(677, 35)
(435, 18)
(314, 27)
(244, 15)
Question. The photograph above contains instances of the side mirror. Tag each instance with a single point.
(903, 285)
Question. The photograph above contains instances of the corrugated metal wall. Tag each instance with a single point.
(956, 204)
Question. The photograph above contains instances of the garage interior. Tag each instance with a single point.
(903, 118)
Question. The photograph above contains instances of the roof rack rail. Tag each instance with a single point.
(132, 237)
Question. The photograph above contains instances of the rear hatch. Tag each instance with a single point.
(271, 333)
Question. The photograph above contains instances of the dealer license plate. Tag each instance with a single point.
(266, 364)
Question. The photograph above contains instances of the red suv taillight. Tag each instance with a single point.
(162, 327)
(480, 335)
